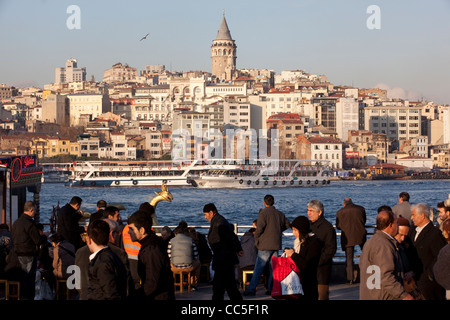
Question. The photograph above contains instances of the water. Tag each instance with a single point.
(241, 206)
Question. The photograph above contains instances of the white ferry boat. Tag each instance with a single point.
(128, 174)
(197, 173)
(262, 174)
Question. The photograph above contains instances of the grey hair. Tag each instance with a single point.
(316, 205)
(113, 225)
(422, 208)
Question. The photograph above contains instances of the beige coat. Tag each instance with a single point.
(381, 269)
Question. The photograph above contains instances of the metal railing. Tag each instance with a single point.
(237, 227)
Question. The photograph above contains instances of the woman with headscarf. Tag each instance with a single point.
(306, 255)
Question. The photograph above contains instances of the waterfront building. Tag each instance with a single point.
(89, 145)
(70, 73)
(371, 147)
(320, 148)
(118, 149)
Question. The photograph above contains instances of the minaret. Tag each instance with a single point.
(223, 53)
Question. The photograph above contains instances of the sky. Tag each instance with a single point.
(409, 54)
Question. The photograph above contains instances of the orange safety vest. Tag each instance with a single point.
(131, 248)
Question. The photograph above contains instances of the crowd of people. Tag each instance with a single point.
(407, 258)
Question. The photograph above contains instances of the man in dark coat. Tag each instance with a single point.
(26, 239)
(326, 235)
(107, 274)
(153, 262)
(67, 222)
(428, 241)
(226, 248)
(351, 220)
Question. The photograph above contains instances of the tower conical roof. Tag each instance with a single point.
(224, 32)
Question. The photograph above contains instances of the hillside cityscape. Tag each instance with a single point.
(137, 115)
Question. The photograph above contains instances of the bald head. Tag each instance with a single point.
(347, 201)
(387, 222)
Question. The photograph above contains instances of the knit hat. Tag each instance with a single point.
(301, 223)
(403, 222)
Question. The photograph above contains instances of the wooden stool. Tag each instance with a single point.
(180, 282)
(245, 273)
(16, 294)
(63, 284)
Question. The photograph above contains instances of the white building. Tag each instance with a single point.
(237, 111)
(87, 104)
(118, 148)
(70, 73)
(347, 117)
(398, 122)
(223, 90)
(446, 124)
(320, 149)
(416, 163)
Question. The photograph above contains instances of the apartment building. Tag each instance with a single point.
(82, 104)
(398, 122)
(288, 126)
(237, 111)
(70, 73)
(5, 92)
(120, 73)
(55, 109)
(320, 149)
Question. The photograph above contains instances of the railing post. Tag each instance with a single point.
(235, 228)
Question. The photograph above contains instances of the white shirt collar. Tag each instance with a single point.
(419, 230)
(92, 256)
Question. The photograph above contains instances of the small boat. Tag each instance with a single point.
(55, 177)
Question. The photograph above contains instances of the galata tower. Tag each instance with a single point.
(223, 53)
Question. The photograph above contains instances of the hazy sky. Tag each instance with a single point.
(409, 54)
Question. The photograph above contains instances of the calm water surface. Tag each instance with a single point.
(241, 206)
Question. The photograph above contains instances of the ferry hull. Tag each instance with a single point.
(170, 181)
(245, 183)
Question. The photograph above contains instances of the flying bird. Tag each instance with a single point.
(145, 37)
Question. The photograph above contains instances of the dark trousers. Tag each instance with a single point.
(349, 265)
(28, 282)
(225, 280)
(134, 273)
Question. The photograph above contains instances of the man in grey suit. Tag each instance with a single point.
(381, 265)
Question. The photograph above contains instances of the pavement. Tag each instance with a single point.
(338, 291)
